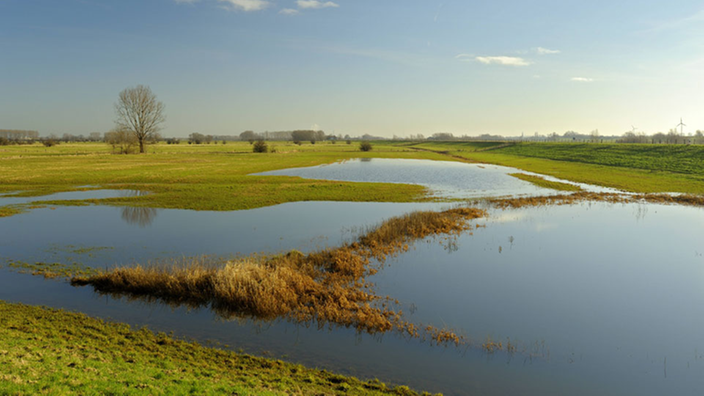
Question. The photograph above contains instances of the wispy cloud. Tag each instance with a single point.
(673, 24)
(545, 51)
(289, 11)
(581, 79)
(303, 4)
(437, 13)
(502, 60)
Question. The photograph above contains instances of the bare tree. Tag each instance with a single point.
(139, 112)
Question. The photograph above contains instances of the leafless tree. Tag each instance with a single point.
(139, 112)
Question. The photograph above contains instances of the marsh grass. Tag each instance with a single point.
(50, 270)
(583, 196)
(7, 211)
(327, 287)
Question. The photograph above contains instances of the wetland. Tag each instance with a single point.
(588, 296)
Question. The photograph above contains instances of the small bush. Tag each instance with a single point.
(260, 147)
(365, 146)
(4, 141)
(349, 141)
(49, 142)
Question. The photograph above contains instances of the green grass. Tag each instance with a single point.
(635, 168)
(541, 182)
(50, 270)
(48, 351)
(200, 177)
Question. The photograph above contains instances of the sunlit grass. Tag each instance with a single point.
(634, 168)
(48, 351)
(201, 177)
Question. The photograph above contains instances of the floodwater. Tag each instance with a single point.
(444, 179)
(599, 298)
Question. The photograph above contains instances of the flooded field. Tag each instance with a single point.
(595, 298)
(444, 179)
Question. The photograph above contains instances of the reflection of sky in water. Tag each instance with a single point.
(444, 178)
(611, 290)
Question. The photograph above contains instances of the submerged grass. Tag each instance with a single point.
(49, 351)
(51, 270)
(327, 287)
(541, 182)
(7, 211)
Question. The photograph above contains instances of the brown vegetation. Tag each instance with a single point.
(327, 287)
(568, 199)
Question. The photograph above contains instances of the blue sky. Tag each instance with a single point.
(356, 66)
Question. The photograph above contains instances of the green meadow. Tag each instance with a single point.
(217, 176)
(199, 177)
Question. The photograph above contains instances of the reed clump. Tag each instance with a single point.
(327, 287)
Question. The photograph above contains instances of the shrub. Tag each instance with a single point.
(49, 142)
(349, 141)
(4, 141)
(260, 147)
(365, 146)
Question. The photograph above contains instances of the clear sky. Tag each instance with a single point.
(381, 67)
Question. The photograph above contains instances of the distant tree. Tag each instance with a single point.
(95, 136)
(304, 135)
(139, 113)
(443, 136)
(196, 138)
(123, 141)
(673, 137)
(209, 139)
(594, 136)
(365, 146)
(260, 146)
(348, 141)
(659, 138)
(249, 136)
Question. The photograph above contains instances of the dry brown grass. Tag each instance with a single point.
(569, 199)
(327, 287)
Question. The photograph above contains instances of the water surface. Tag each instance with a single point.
(444, 179)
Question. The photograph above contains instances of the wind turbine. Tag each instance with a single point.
(681, 125)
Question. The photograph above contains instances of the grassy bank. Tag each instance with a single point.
(47, 351)
(629, 167)
(200, 177)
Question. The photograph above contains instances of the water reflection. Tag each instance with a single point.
(140, 216)
(444, 179)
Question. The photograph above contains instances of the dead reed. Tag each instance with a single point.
(327, 287)
(583, 196)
